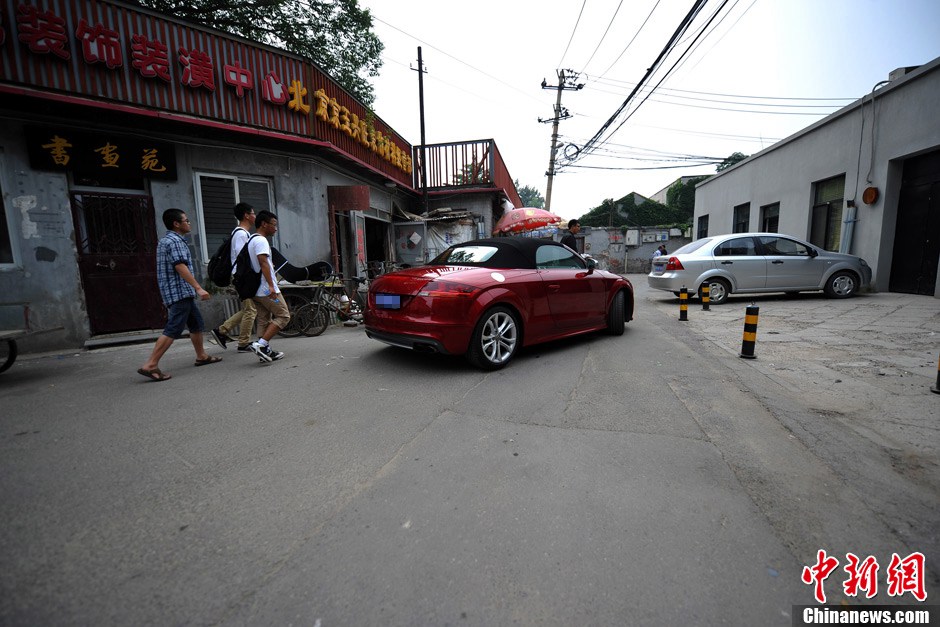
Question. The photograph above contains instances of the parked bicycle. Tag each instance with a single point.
(329, 304)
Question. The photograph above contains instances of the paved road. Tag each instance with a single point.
(653, 479)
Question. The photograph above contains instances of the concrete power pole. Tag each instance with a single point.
(566, 80)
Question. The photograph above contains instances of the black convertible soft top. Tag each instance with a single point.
(512, 252)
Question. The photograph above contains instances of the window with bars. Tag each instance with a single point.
(828, 201)
(770, 218)
(742, 218)
(702, 230)
(216, 197)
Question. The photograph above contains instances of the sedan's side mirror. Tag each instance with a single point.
(591, 265)
(813, 252)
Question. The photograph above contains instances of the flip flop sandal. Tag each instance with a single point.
(207, 361)
(154, 375)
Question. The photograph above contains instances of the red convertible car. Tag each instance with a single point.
(487, 298)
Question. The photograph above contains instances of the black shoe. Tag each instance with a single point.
(265, 353)
(220, 338)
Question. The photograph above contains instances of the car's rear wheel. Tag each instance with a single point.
(615, 316)
(718, 291)
(495, 339)
(841, 285)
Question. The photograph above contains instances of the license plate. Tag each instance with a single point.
(388, 301)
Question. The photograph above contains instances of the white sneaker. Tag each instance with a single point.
(266, 353)
(263, 352)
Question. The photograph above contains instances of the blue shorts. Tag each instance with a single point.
(183, 313)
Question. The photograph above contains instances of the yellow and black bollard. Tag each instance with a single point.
(683, 305)
(706, 296)
(936, 389)
(750, 332)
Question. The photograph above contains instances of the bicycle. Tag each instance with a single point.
(325, 305)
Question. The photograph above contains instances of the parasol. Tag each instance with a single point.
(525, 219)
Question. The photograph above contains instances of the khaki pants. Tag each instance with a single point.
(269, 311)
(244, 319)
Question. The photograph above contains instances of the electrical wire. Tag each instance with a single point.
(671, 69)
(630, 43)
(476, 69)
(604, 36)
(683, 26)
(573, 31)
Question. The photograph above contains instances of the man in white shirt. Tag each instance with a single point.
(244, 319)
(273, 314)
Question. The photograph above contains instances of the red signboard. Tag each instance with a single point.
(111, 52)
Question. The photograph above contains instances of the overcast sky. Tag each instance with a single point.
(761, 71)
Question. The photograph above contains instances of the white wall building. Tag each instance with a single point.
(864, 180)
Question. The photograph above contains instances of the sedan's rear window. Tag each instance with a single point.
(459, 255)
(691, 247)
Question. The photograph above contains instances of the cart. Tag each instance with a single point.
(8, 337)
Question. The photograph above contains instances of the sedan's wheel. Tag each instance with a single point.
(841, 285)
(495, 339)
(719, 290)
(615, 317)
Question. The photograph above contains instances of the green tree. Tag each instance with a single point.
(626, 212)
(730, 160)
(530, 196)
(335, 34)
(681, 195)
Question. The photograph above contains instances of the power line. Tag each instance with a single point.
(573, 31)
(604, 36)
(670, 70)
(613, 82)
(630, 43)
(446, 54)
(683, 26)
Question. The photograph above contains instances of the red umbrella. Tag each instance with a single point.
(525, 219)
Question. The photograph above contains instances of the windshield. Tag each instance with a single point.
(464, 255)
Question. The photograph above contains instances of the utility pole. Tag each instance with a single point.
(566, 82)
(424, 148)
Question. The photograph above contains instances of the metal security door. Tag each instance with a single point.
(917, 234)
(116, 240)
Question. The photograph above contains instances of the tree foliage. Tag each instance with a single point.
(681, 195)
(730, 160)
(335, 34)
(625, 212)
(530, 196)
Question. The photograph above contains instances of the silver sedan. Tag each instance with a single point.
(750, 263)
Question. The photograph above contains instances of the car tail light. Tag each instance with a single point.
(674, 264)
(448, 289)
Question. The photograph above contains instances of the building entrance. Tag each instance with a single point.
(917, 233)
(117, 242)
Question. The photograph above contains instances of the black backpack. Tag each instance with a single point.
(245, 280)
(220, 265)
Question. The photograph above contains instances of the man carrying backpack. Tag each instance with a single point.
(273, 314)
(244, 318)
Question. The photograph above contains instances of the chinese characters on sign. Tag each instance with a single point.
(99, 44)
(90, 153)
(903, 575)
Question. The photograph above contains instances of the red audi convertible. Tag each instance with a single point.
(487, 298)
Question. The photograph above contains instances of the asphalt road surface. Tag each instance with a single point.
(599, 481)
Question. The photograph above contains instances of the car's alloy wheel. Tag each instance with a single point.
(718, 291)
(841, 285)
(495, 339)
